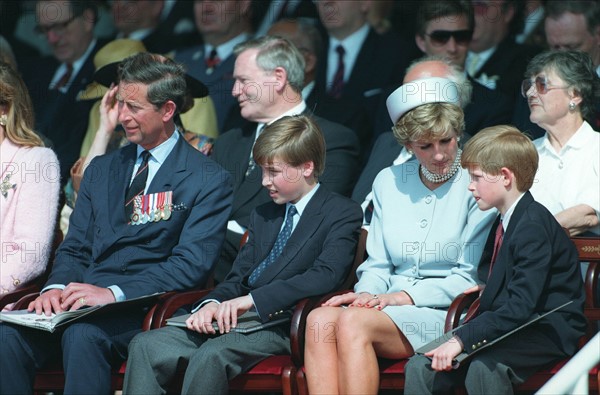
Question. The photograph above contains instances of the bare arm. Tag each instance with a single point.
(577, 219)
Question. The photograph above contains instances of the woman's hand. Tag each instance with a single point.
(380, 301)
(339, 300)
(442, 356)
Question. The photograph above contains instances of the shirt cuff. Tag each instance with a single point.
(203, 303)
(118, 294)
(52, 286)
(254, 306)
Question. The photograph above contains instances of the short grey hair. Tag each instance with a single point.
(276, 52)
(456, 75)
(576, 69)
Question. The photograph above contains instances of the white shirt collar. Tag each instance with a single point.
(352, 46)
(303, 202)
(77, 65)
(226, 49)
(161, 151)
(506, 218)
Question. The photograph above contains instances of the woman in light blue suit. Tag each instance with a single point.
(425, 241)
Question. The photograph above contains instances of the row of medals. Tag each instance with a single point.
(151, 211)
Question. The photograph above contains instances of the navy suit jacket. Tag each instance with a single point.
(508, 62)
(59, 116)
(380, 63)
(316, 259)
(232, 151)
(536, 270)
(219, 82)
(175, 254)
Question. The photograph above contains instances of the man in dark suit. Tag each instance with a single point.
(357, 65)
(494, 58)
(445, 28)
(68, 27)
(222, 25)
(299, 245)
(149, 218)
(268, 77)
(530, 266)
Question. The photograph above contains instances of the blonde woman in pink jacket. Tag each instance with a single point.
(29, 187)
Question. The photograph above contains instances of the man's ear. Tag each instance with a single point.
(308, 168)
(168, 109)
(311, 62)
(420, 41)
(281, 77)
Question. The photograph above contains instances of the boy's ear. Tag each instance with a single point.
(308, 168)
(508, 177)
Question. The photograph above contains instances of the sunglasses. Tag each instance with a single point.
(441, 37)
(541, 86)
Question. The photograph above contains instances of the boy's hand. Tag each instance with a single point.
(201, 320)
(442, 356)
(228, 312)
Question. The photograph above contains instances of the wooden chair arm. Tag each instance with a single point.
(462, 303)
(298, 327)
(15, 295)
(22, 303)
(173, 302)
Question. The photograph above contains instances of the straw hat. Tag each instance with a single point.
(422, 91)
(114, 51)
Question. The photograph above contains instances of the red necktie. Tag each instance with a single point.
(212, 61)
(497, 244)
(338, 79)
(64, 79)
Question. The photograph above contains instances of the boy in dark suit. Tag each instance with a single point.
(533, 269)
(300, 245)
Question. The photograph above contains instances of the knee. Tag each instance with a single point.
(11, 339)
(350, 327)
(84, 336)
(321, 323)
(140, 343)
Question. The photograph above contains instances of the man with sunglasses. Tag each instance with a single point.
(444, 29)
(55, 81)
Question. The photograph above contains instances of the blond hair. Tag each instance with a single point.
(20, 120)
(431, 121)
(503, 146)
(295, 140)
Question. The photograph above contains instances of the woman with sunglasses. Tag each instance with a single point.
(29, 185)
(562, 90)
(425, 241)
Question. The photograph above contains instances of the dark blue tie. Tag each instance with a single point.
(282, 238)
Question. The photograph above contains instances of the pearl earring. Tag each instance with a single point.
(3, 119)
(572, 106)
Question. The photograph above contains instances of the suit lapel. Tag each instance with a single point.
(309, 222)
(503, 263)
(247, 187)
(119, 176)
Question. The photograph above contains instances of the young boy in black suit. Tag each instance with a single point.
(300, 245)
(530, 267)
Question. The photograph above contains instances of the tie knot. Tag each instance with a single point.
(292, 211)
(145, 155)
(213, 54)
(340, 50)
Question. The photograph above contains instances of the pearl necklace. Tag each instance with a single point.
(439, 178)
